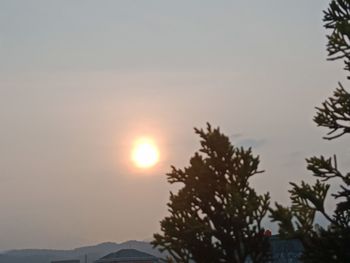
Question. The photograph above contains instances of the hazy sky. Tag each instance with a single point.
(80, 80)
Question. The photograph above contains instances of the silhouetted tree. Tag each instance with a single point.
(216, 215)
(331, 244)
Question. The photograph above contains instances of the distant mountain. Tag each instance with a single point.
(93, 252)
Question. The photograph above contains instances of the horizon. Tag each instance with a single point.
(74, 248)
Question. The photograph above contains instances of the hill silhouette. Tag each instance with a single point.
(93, 252)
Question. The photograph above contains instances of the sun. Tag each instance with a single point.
(145, 153)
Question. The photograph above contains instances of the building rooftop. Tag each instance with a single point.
(128, 255)
(66, 261)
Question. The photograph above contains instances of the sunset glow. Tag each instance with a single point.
(145, 153)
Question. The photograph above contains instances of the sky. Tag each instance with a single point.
(81, 80)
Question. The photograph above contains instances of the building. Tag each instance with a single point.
(128, 256)
(285, 251)
(67, 261)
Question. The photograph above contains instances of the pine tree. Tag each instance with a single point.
(216, 216)
(330, 244)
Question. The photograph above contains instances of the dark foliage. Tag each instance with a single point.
(335, 114)
(337, 19)
(329, 244)
(216, 216)
(335, 111)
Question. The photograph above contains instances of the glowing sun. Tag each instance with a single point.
(145, 153)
